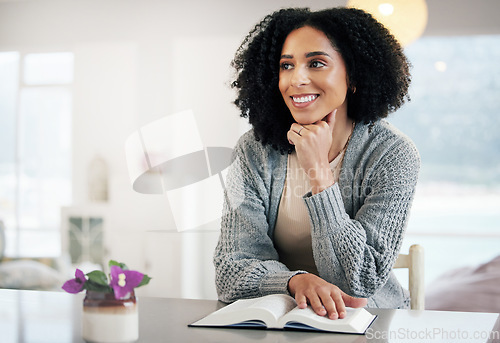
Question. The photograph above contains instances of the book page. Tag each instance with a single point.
(308, 312)
(264, 311)
(356, 320)
(277, 304)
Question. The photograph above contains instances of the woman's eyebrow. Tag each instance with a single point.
(309, 54)
(317, 53)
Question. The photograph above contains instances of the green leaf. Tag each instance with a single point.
(145, 280)
(98, 277)
(97, 287)
(123, 266)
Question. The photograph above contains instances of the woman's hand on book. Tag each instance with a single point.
(324, 297)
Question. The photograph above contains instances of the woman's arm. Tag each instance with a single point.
(358, 254)
(246, 262)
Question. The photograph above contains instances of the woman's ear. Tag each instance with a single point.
(350, 86)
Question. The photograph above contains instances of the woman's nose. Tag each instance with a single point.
(300, 77)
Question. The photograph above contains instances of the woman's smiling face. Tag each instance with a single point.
(313, 76)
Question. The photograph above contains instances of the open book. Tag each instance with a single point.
(279, 311)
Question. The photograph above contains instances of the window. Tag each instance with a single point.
(453, 119)
(35, 150)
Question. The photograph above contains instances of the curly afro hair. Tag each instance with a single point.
(377, 69)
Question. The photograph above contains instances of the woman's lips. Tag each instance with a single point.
(303, 100)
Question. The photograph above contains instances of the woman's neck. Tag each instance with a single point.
(342, 131)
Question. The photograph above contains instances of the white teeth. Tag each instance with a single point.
(305, 98)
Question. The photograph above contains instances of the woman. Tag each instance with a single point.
(320, 190)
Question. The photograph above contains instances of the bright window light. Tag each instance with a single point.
(453, 120)
(35, 150)
(48, 68)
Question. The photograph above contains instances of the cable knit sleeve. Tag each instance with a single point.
(357, 252)
(246, 262)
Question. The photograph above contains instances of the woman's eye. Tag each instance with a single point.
(285, 66)
(317, 64)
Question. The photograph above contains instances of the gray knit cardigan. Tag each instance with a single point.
(357, 225)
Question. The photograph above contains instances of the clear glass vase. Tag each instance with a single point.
(106, 319)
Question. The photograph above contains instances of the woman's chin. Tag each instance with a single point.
(306, 120)
(302, 121)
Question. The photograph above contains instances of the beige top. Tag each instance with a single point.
(292, 235)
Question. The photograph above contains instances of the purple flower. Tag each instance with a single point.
(124, 281)
(75, 285)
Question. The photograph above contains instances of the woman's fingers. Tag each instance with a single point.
(326, 302)
(317, 304)
(331, 306)
(298, 129)
(301, 300)
(324, 297)
(339, 301)
(292, 137)
(330, 119)
(354, 302)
